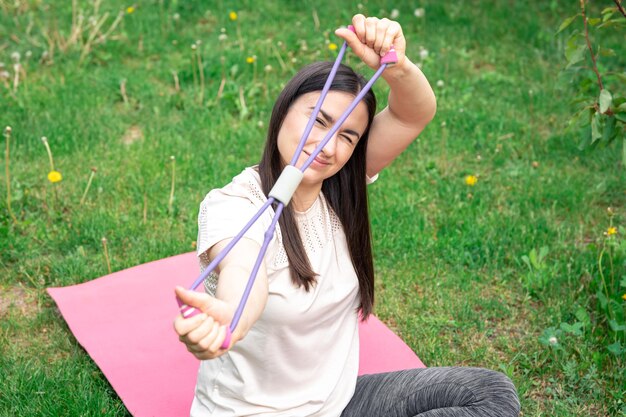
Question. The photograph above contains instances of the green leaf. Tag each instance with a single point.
(622, 283)
(594, 21)
(612, 22)
(533, 258)
(616, 348)
(596, 128)
(605, 100)
(621, 117)
(609, 131)
(566, 23)
(574, 49)
(543, 252)
(607, 16)
(582, 315)
(606, 52)
(575, 329)
(624, 151)
(575, 55)
(611, 9)
(616, 327)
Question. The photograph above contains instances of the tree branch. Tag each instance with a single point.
(593, 58)
(618, 3)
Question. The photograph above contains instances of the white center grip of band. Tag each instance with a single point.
(286, 184)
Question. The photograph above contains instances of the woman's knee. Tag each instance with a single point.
(499, 391)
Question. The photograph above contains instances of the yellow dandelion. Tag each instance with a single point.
(232, 16)
(624, 297)
(471, 180)
(54, 176)
(130, 9)
(250, 59)
(611, 231)
(332, 46)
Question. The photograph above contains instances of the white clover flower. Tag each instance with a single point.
(268, 68)
(294, 60)
(359, 6)
(260, 124)
(440, 83)
(222, 37)
(223, 30)
(15, 56)
(4, 75)
(176, 16)
(419, 12)
(423, 53)
(553, 340)
(28, 54)
(395, 13)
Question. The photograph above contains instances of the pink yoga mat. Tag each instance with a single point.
(124, 322)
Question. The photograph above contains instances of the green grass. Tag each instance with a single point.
(450, 275)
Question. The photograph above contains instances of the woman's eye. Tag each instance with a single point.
(347, 138)
(320, 121)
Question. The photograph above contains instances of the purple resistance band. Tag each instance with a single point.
(284, 188)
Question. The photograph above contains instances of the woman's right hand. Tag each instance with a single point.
(203, 334)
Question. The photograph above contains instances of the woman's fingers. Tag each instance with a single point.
(389, 38)
(370, 31)
(217, 343)
(196, 335)
(204, 341)
(358, 22)
(183, 326)
(381, 30)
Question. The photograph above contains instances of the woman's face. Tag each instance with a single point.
(340, 147)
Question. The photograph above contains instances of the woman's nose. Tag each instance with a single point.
(330, 147)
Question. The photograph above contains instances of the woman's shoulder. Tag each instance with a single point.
(246, 185)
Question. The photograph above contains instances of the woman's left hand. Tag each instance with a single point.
(373, 38)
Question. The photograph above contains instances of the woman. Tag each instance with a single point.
(295, 350)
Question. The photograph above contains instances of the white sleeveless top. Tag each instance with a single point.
(301, 357)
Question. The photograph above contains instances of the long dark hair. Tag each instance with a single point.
(345, 191)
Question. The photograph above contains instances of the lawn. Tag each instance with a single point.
(497, 241)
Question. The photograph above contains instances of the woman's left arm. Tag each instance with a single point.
(411, 104)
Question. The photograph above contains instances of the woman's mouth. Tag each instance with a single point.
(319, 162)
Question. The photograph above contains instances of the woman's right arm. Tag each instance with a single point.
(203, 334)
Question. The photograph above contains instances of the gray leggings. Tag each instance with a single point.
(434, 392)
